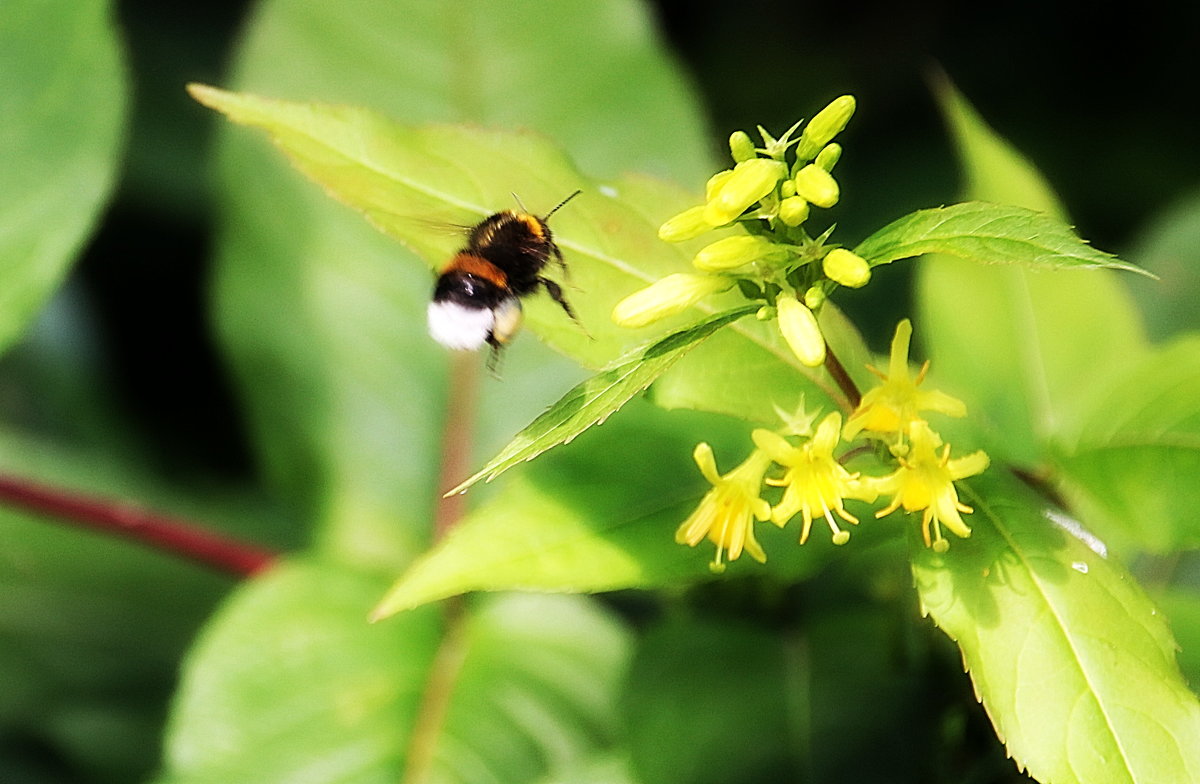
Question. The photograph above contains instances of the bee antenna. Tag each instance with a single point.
(560, 204)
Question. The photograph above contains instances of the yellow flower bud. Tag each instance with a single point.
(751, 181)
(793, 210)
(814, 297)
(684, 226)
(825, 125)
(788, 188)
(828, 157)
(715, 182)
(741, 146)
(666, 297)
(800, 330)
(846, 268)
(817, 186)
(733, 252)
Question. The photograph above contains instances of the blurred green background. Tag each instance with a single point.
(1101, 100)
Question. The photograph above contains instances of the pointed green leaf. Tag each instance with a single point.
(1023, 348)
(322, 318)
(1073, 663)
(1135, 463)
(601, 515)
(291, 683)
(594, 400)
(396, 175)
(62, 112)
(988, 234)
(392, 172)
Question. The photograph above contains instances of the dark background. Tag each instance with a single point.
(1104, 101)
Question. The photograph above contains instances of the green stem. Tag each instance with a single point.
(435, 702)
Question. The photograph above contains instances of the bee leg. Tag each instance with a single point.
(558, 256)
(562, 263)
(493, 360)
(556, 293)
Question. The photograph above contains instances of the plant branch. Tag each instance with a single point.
(120, 518)
(840, 377)
(457, 439)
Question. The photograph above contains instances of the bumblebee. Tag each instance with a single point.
(477, 298)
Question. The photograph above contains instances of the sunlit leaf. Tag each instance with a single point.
(1073, 663)
(988, 234)
(1135, 463)
(62, 112)
(390, 172)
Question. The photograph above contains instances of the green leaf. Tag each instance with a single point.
(390, 171)
(988, 234)
(1025, 349)
(597, 398)
(1182, 605)
(62, 113)
(323, 318)
(601, 514)
(1135, 463)
(1073, 663)
(393, 172)
(1170, 248)
(290, 683)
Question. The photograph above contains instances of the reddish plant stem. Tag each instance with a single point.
(456, 440)
(840, 377)
(457, 437)
(119, 518)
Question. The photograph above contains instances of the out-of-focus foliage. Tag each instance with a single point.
(814, 666)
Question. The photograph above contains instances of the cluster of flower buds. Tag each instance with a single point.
(767, 196)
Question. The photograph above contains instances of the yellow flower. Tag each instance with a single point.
(925, 480)
(815, 482)
(726, 514)
(895, 404)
